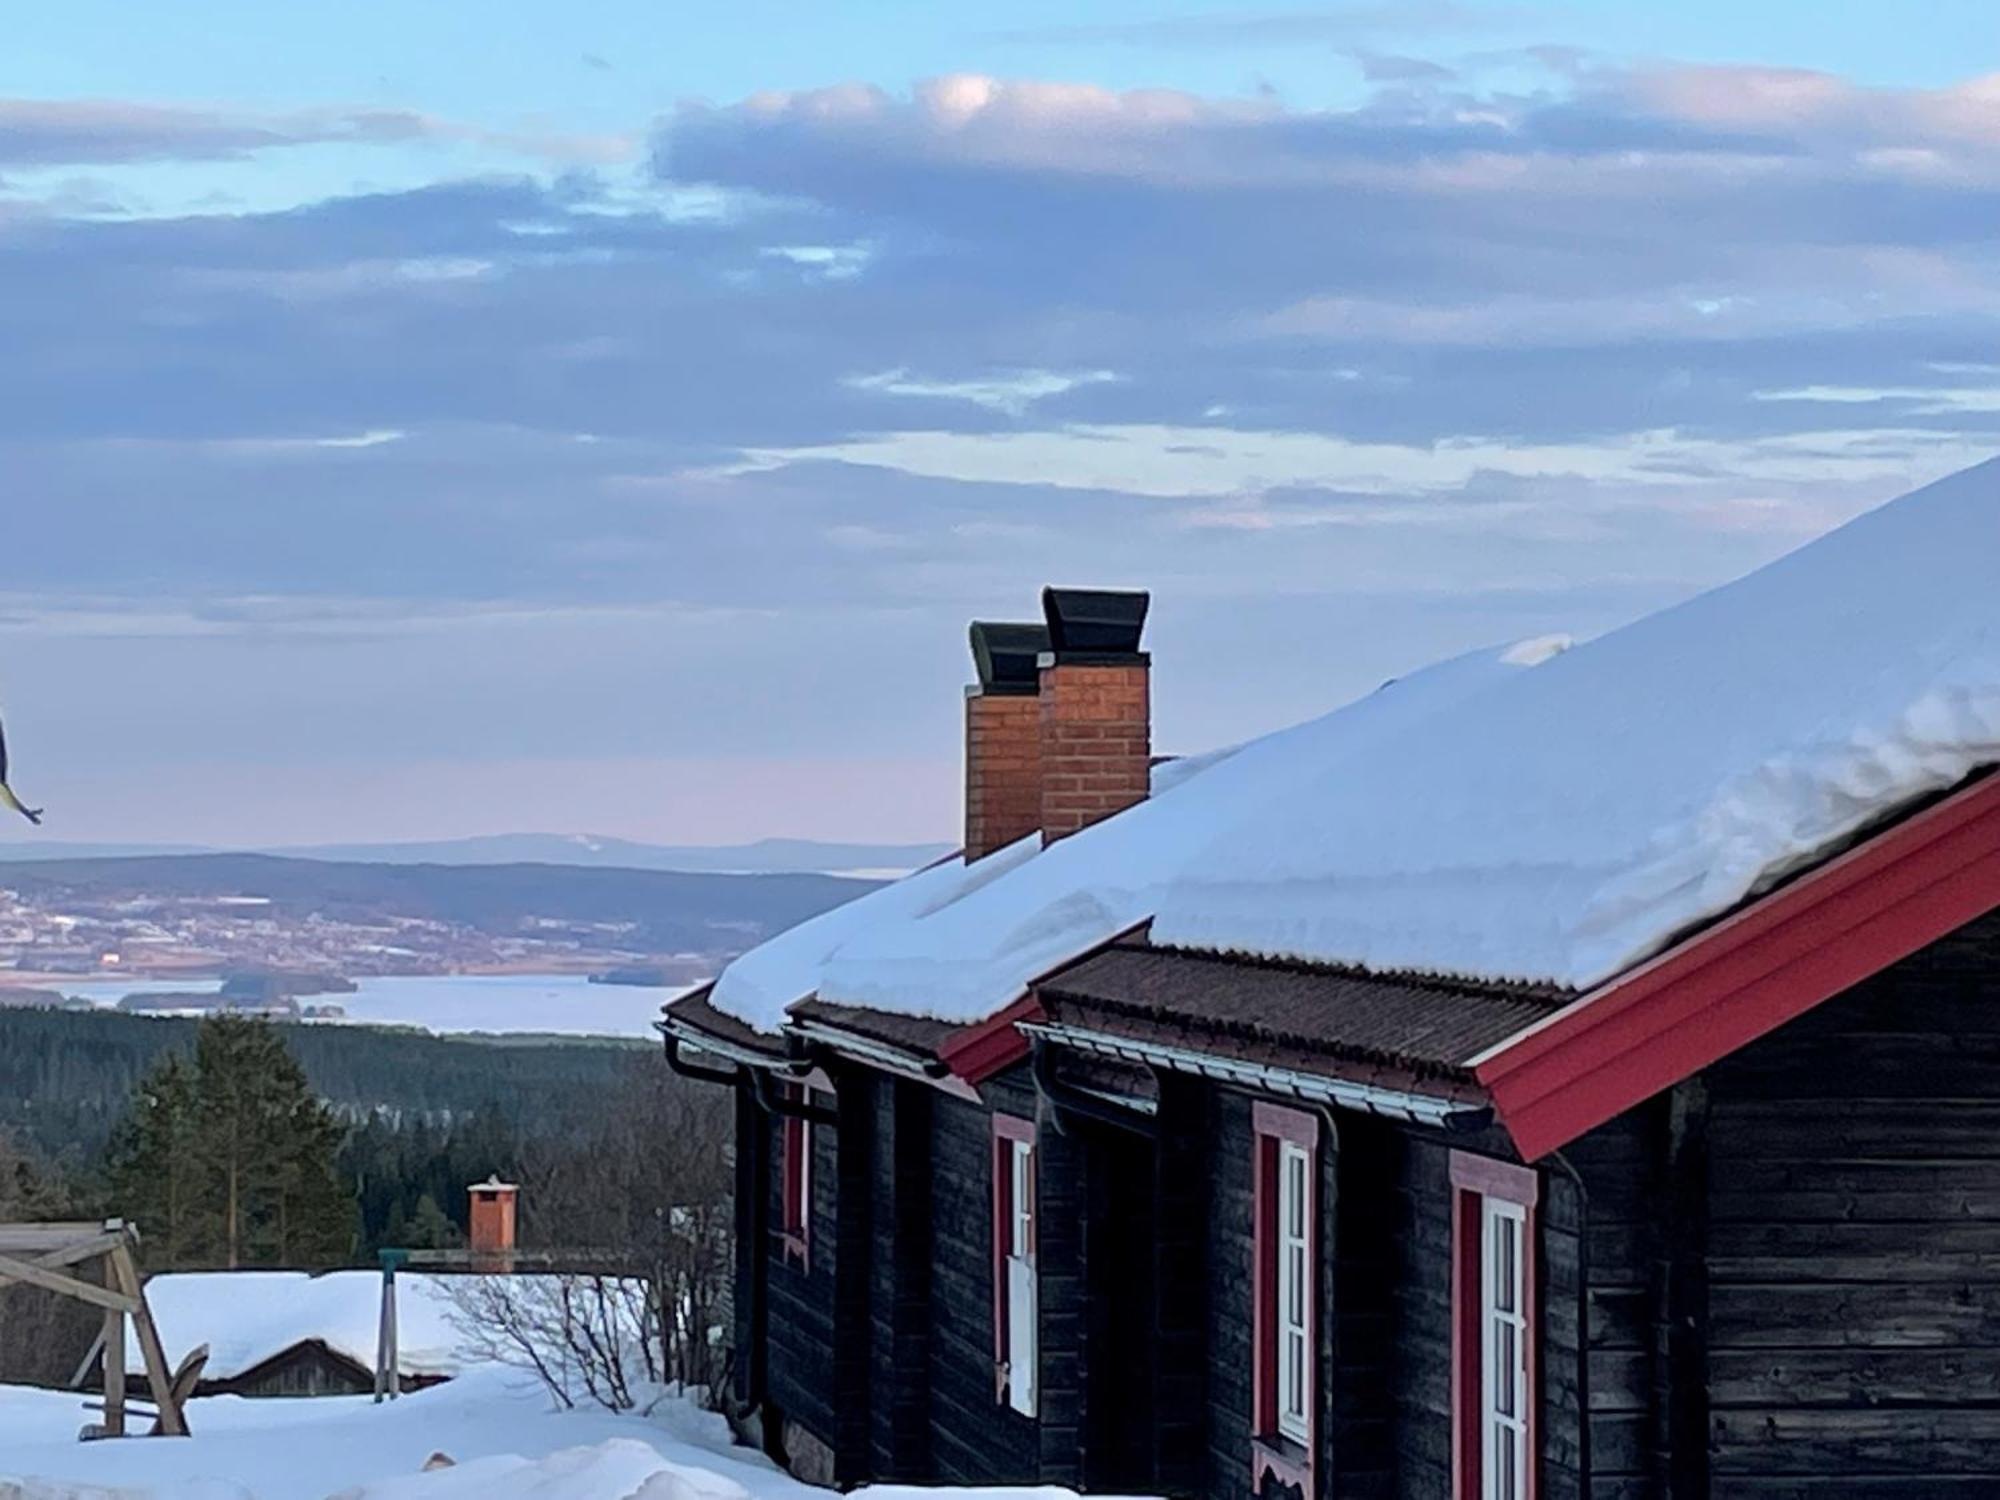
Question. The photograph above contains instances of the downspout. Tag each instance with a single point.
(1065, 1099)
(774, 1103)
(1583, 1403)
(695, 1071)
(757, 1215)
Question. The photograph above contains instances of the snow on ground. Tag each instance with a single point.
(498, 1428)
(504, 1441)
(1537, 814)
(245, 1317)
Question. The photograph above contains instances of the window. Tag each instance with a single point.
(1016, 1303)
(1294, 1279)
(1283, 1286)
(795, 1168)
(1494, 1346)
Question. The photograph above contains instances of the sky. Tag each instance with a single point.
(420, 421)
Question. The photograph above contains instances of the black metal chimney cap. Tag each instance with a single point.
(1007, 655)
(1098, 624)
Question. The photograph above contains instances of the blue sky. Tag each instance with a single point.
(453, 418)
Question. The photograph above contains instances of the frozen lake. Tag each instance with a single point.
(453, 1004)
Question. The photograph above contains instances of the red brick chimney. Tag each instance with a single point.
(1096, 708)
(1003, 737)
(492, 1237)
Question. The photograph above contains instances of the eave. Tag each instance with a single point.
(1723, 988)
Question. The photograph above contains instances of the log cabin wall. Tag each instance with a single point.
(800, 1297)
(898, 1290)
(1853, 1242)
(975, 1437)
(1408, 1170)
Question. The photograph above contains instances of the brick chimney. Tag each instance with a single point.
(492, 1236)
(1096, 708)
(1003, 737)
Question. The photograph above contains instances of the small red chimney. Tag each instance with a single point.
(1096, 708)
(1003, 737)
(493, 1204)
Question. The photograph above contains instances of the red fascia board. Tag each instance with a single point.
(981, 1050)
(1741, 979)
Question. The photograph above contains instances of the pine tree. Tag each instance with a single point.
(229, 1159)
(149, 1163)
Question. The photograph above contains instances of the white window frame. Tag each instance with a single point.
(1504, 1333)
(1021, 1199)
(1293, 1242)
(1016, 1272)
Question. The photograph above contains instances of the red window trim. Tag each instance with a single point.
(795, 1178)
(1272, 1455)
(1007, 1129)
(1474, 1179)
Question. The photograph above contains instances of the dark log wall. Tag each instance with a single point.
(1410, 1170)
(800, 1317)
(898, 1274)
(1613, 1222)
(975, 1438)
(1853, 1299)
(1420, 1300)
(747, 1302)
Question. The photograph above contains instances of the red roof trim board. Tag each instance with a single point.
(978, 1052)
(1773, 961)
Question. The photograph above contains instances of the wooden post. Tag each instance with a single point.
(113, 1341)
(388, 1360)
(172, 1423)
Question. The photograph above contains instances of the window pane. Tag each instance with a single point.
(1505, 1267)
(1506, 1362)
(1510, 1470)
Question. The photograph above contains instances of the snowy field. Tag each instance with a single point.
(458, 1004)
(497, 1428)
(495, 1425)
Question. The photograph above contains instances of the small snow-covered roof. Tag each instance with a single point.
(1538, 815)
(248, 1317)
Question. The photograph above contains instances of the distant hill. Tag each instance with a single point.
(670, 910)
(765, 857)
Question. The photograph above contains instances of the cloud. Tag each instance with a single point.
(1012, 391)
(1332, 24)
(387, 474)
(43, 133)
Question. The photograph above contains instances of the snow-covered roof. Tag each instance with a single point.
(957, 942)
(1568, 823)
(246, 1317)
(1534, 814)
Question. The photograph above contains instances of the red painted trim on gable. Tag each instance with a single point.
(981, 1050)
(1748, 975)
